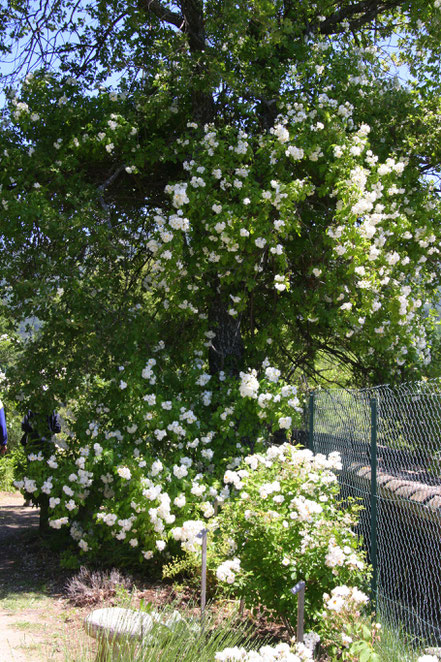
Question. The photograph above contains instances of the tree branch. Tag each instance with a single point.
(356, 15)
(104, 186)
(101, 41)
(164, 14)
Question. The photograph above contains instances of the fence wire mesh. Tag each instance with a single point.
(389, 439)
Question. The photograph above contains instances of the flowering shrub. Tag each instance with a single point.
(283, 524)
(149, 473)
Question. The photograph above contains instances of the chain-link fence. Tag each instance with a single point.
(390, 442)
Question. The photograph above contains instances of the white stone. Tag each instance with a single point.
(433, 651)
(115, 622)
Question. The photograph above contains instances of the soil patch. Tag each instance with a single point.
(36, 623)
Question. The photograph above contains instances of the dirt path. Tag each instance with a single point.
(16, 524)
(36, 623)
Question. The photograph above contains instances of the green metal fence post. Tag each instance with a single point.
(311, 422)
(373, 500)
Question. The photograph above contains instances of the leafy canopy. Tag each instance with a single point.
(309, 218)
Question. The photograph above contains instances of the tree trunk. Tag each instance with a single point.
(226, 351)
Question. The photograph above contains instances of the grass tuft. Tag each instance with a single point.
(174, 637)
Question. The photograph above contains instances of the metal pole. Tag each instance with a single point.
(300, 589)
(311, 422)
(203, 535)
(373, 501)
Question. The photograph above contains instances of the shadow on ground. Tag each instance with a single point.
(26, 563)
(14, 519)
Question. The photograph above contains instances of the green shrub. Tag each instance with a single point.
(6, 474)
(9, 465)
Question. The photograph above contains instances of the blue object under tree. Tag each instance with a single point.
(3, 430)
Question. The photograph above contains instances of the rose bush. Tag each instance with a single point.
(283, 523)
(265, 244)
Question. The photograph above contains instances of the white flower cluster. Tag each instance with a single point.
(305, 509)
(338, 556)
(344, 597)
(107, 518)
(249, 384)
(124, 472)
(297, 457)
(58, 523)
(285, 422)
(27, 484)
(273, 374)
(280, 653)
(188, 535)
(179, 193)
(147, 372)
(228, 570)
(235, 477)
(269, 488)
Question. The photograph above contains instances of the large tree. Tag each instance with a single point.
(247, 182)
(130, 99)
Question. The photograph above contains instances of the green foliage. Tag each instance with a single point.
(10, 468)
(186, 571)
(7, 474)
(69, 560)
(92, 170)
(346, 632)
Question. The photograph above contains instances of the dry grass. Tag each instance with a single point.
(89, 587)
